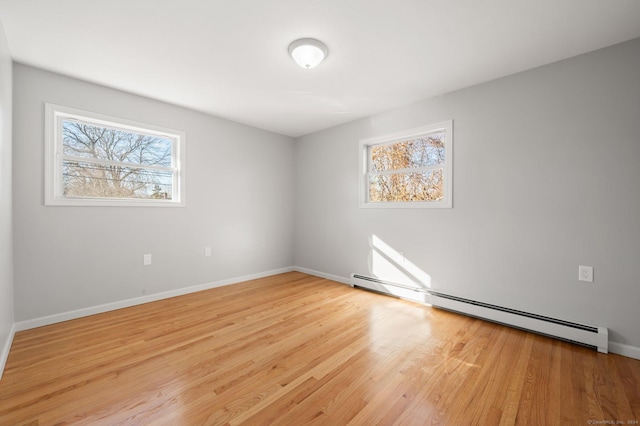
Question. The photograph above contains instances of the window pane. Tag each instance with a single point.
(103, 143)
(101, 181)
(402, 187)
(410, 154)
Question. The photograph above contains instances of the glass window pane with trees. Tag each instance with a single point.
(98, 160)
(408, 169)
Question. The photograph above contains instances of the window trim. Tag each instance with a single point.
(364, 153)
(54, 158)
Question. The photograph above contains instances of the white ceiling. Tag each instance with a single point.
(229, 57)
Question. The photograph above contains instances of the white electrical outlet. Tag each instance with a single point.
(146, 260)
(585, 273)
(207, 251)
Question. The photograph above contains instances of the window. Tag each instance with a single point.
(97, 160)
(408, 169)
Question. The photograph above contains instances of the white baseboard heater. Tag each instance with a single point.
(583, 334)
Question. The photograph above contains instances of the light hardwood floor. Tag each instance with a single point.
(294, 349)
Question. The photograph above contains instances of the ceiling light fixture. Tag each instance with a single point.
(308, 52)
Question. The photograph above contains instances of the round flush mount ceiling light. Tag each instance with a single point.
(308, 52)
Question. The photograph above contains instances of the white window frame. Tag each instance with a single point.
(365, 165)
(53, 149)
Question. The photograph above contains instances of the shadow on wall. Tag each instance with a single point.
(388, 264)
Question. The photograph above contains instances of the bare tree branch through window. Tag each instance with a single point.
(131, 153)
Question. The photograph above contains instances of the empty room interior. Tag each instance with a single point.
(319, 212)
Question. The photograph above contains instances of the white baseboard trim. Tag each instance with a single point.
(624, 350)
(6, 347)
(92, 310)
(331, 277)
(614, 347)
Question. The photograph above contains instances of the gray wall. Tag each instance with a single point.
(6, 268)
(546, 178)
(546, 174)
(238, 201)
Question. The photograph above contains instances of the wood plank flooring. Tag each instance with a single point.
(294, 349)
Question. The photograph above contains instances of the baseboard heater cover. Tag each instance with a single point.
(583, 334)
